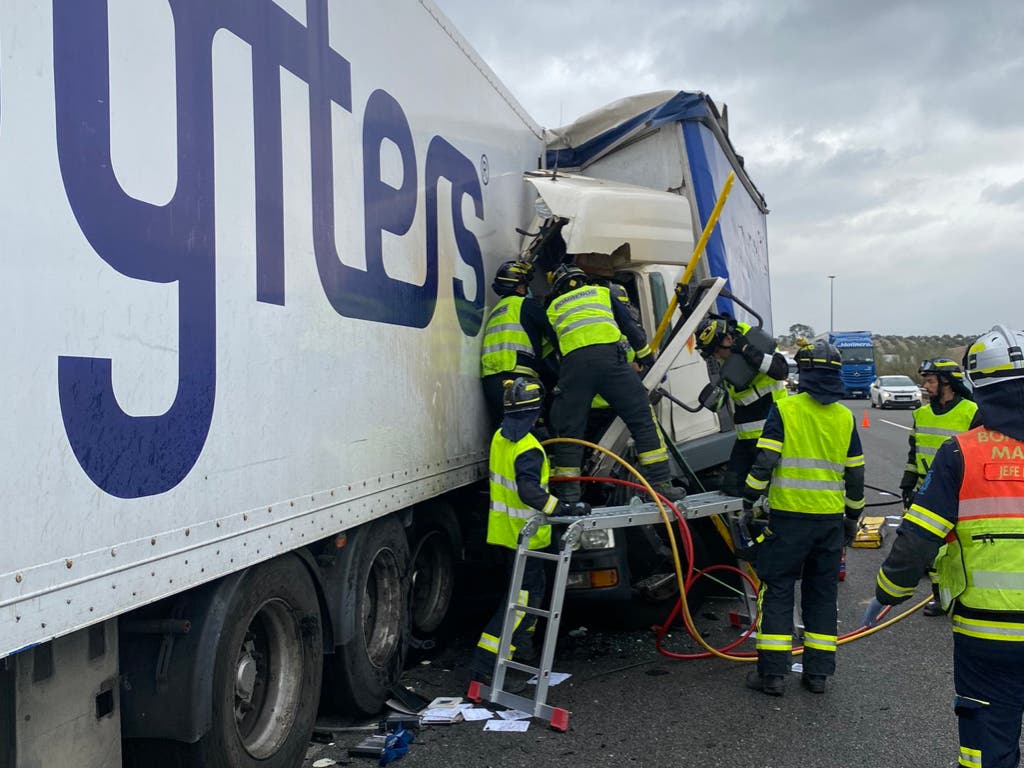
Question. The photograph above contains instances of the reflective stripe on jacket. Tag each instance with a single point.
(509, 513)
(982, 563)
(505, 339)
(810, 477)
(582, 318)
(932, 430)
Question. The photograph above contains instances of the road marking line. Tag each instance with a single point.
(893, 423)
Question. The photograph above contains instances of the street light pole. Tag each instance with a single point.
(831, 303)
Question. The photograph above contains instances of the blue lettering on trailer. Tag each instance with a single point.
(133, 456)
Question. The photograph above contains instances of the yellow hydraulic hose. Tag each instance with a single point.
(671, 540)
(687, 618)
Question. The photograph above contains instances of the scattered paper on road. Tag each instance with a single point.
(519, 726)
(324, 762)
(514, 714)
(441, 716)
(553, 679)
(797, 667)
(472, 714)
(446, 702)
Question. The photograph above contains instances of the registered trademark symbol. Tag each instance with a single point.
(485, 171)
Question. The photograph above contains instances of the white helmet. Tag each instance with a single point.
(995, 357)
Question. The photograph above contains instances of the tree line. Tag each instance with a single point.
(894, 354)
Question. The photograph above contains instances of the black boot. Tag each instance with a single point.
(814, 683)
(671, 492)
(934, 608)
(773, 685)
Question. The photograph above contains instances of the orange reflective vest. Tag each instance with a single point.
(982, 567)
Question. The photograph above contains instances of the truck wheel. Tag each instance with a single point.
(433, 581)
(266, 680)
(362, 670)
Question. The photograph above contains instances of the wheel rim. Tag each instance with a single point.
(430, 579)
(382, 608)
(268, 679)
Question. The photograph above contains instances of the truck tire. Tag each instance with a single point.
(266, 680)
(358, 676)
(434, 538)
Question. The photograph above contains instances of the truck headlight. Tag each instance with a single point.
(598, 539)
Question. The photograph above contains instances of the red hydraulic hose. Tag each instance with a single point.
(692, 576)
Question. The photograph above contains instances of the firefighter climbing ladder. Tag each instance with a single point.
(602, 518)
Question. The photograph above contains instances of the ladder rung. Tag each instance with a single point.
(521, 667)
(539, 554)
(531, 610)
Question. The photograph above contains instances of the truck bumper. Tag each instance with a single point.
(592, 571)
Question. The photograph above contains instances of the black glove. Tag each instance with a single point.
(850, 527)
(739, 342)
(646, 362)
(572, 509)
(682, 291)
(746, 515)
(908, 495)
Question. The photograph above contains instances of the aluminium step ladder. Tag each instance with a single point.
(601, 518)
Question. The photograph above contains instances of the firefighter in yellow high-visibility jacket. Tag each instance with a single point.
(519, 472)
(810, 455)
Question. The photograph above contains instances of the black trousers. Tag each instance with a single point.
(534, 584)
(602, 369)
(989, 702)
(807, 548)
(494, 390)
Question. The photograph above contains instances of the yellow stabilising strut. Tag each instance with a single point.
(687, 618)
(698, 251)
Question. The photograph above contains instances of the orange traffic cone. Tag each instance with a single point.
(865, 422)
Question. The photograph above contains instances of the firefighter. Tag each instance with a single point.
(588, 321)
(513, 336)
(519, 490)
(949, 412)
(720, 338)
(809, 453)
(970, 512)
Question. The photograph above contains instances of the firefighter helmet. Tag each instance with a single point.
(522, 394)
(565, 278)
(942, 366)
(995, 357)
(510, 275)
(820, 355)
(711, 334)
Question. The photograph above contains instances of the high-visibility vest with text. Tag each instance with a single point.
(583, 317)
(981, 566)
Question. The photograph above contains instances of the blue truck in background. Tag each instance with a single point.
(858, 351)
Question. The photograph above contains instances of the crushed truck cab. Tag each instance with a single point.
(632, 186)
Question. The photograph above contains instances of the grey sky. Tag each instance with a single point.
(887, 138)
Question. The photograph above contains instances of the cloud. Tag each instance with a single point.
(1004, 194)
(888, 138)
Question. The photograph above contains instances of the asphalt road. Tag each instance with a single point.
(889, 703)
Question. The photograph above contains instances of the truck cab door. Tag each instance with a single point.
(650, 289)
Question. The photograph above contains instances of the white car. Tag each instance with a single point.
(895, 392)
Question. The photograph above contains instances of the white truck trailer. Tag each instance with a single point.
(247, 246)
